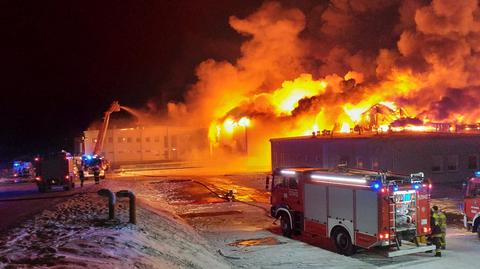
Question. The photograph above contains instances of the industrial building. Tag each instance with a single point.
(143, 144)
(443, 157)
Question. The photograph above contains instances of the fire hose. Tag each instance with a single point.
(229, 196)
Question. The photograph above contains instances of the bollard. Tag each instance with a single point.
(267, 182)
(132, 209)
(111, 201)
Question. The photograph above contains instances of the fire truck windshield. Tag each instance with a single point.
(473, 190)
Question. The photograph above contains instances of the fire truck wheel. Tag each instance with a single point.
(343, 242)
(285, 225)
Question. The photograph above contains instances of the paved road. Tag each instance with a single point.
(20, 201)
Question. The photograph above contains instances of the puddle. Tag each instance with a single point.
(266, 241)
(210, 214)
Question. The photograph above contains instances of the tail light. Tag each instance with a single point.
(37, 159)
(38, 178)
(67, 177)
(427, 230)
(384, 236)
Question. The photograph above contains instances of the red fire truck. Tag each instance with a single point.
(471, 204)
(354, 208)
(55, 169)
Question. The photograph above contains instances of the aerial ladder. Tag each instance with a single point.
(95, 163)
(114, 107)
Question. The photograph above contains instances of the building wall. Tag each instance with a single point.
(157, 143)
(440, 157)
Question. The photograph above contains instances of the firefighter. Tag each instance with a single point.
(436, 230)
(442, 222)
(82, 177)
(96, 174)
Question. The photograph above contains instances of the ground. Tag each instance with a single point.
(183, 222)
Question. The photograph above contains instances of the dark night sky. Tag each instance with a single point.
(64, 62)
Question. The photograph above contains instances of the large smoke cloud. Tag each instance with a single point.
(424, 55)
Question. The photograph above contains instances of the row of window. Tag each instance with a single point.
(140, 151)
(155, 139)
(451, 163)
(439, 163)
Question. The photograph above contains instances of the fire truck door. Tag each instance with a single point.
(293, 195)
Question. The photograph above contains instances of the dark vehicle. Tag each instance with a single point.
(54, 170)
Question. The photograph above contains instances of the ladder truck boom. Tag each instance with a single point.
(114, 107)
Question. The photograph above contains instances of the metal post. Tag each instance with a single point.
(132, 208)
(111, 201)
(267, 182)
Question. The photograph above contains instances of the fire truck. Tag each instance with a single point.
(354, 208)
(471, 204)
(55, 169)
(22, 169)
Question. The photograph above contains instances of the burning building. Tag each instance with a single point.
(374, 69)
(443, 157)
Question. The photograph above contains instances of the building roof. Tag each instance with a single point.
(394, 135)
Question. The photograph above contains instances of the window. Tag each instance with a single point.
(279, 182)
(110, 140)
(473, 162)
(293, 183)
(129, 140)
(360, 162)
(138, 140)
(119, 140)
(157, 139)
(437, 163)
(452, 163)
(147, 139)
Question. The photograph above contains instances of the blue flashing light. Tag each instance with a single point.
(395, 188)
(376, 185)
(89, 157)
(477, 173)
(16, 164)
(416, 186)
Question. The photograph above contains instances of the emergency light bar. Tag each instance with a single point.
(477, 173)
(339, 179)
(287, 172)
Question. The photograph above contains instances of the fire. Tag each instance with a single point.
(286, 83)
(285, 99)
(345, 128)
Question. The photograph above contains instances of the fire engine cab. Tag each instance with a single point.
(354, 208)
(471, 204)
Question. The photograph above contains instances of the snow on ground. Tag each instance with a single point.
(185, 223)
(76, 234)
(243, 232)
(13, 180)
